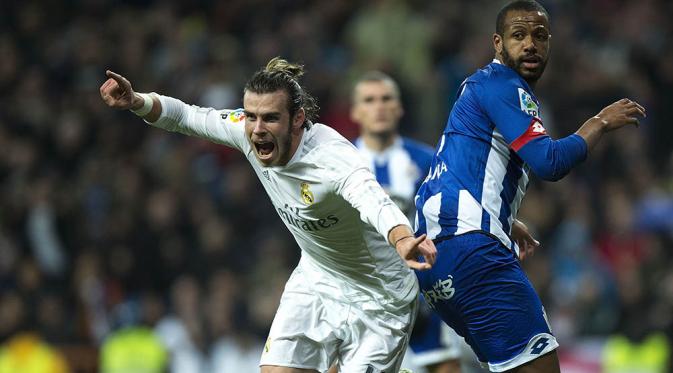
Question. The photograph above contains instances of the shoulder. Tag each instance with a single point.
(497, 84)
(330, 151)
(420, 154)
(417, 150)
(416, 147)
(495, 77)
(322, 142)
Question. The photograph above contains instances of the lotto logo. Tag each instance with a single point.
(537, 128)
(539, 346)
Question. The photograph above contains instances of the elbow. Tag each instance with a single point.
(548, 173)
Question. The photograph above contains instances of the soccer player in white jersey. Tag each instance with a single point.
(351, 298)
(400, 164)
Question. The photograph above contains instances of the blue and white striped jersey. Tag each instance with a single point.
(479, 172)
(399, 169)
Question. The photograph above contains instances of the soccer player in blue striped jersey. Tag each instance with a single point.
(400, 164)
(468, 203)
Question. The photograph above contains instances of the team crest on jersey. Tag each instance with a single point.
(234, 116)
(527, 103)
(306, 194)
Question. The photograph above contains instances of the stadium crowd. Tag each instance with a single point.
(109, 227)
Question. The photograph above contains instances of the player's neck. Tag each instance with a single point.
(531, 84)
(379, 142)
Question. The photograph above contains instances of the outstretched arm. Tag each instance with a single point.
(552, 159)
(118, 93)
(223, 127)
(515, 113)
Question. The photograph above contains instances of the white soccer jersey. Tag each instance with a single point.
(328, 199)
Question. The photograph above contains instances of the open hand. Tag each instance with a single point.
(410, 248)
(620, 114)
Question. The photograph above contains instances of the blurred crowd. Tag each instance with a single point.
(111, 231)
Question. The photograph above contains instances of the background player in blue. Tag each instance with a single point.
(469, 201)
(400, 165)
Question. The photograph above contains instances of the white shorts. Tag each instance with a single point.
(313, 331)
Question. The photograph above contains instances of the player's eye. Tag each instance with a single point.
(518, 35)
(368, 99)
(542, 36)
(250, 117)
(386, 98)
(271, 118)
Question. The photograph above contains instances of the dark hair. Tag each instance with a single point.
(526, 5)
(282, 75)
(377, 76)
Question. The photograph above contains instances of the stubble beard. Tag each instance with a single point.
(517, 66)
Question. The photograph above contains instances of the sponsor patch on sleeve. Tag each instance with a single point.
(527, 103)
(233, 116)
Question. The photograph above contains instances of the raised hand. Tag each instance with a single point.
(620, 114)
(410, 248)
(523, 238)
(117, 93)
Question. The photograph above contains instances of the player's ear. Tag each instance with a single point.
(299, 118)
(497, 43)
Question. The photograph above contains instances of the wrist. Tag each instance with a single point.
(142, 104)
(400, 240)
(602, 123)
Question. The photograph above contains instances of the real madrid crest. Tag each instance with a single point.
(306, 194)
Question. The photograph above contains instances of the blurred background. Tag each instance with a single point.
(125, 246)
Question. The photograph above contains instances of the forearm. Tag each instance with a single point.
(375, 207)
(552, 159)
(592, 130)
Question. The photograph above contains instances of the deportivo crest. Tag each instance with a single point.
(234, 116)
(306, 194)
(527, 103)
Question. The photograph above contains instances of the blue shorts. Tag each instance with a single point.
(479, 289)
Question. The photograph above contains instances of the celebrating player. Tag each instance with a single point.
(351, 297)
(469, 201)
(400, 164)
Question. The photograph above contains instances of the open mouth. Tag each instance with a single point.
(264, 148)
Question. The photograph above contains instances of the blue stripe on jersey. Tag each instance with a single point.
(381, 172)
(509, 193)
